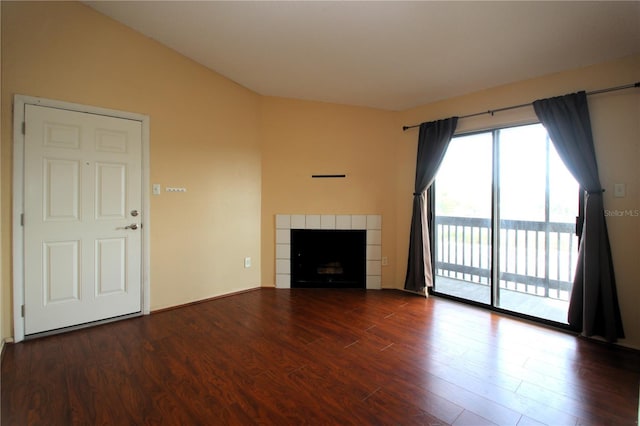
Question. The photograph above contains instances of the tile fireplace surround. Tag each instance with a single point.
(371, 223)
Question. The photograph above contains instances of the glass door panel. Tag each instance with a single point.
(462, 225)
(536, 209)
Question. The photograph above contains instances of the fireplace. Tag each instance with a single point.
(370, 224)
(328, 258)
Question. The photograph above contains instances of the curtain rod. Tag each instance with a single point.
(493, 111)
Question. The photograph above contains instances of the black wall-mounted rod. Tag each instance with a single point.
(328, 176)
(493, 111)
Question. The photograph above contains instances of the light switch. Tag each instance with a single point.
(156, 189)
(619, 190)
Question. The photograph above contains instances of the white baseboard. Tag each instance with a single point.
(2, 344)
(5, 340)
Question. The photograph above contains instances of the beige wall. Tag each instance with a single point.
(245, 158)
(2, 308)
(204, 136)
(301, 138)
(615, 119)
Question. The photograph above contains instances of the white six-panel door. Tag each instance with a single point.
(82, 209)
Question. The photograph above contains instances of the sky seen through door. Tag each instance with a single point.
(465, 176)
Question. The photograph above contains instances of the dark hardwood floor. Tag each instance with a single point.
(292, 357)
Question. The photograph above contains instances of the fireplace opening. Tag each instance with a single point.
(328, 258)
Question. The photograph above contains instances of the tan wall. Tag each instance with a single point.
(245, 158)
(204, 136)
(2, 308)
(301, 138)
(615, 119)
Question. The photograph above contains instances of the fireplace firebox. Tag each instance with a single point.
(328, 258)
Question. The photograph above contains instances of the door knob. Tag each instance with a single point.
(132, 226)
(134, 213)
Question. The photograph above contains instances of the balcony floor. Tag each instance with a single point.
(528, 304)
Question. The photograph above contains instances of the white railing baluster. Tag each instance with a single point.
(454, 259)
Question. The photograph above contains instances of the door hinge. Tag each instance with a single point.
(21, 219)
(22, 310)
(24, 128)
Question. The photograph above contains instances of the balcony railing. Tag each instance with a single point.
(534, 257)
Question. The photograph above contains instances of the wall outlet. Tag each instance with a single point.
(385, 260)
(619, 190)
(247, 262)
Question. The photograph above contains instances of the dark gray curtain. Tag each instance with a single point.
(593, 308)
(433, 139)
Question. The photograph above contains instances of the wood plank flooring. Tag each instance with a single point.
(320, 357)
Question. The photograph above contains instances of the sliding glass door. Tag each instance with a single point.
(463, 226)
(505, 210)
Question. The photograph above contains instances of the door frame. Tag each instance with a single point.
(19, 103)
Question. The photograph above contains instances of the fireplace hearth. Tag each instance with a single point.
(328, 258)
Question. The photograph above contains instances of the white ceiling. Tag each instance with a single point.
(384, 54)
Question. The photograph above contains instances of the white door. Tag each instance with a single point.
(82, 202)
